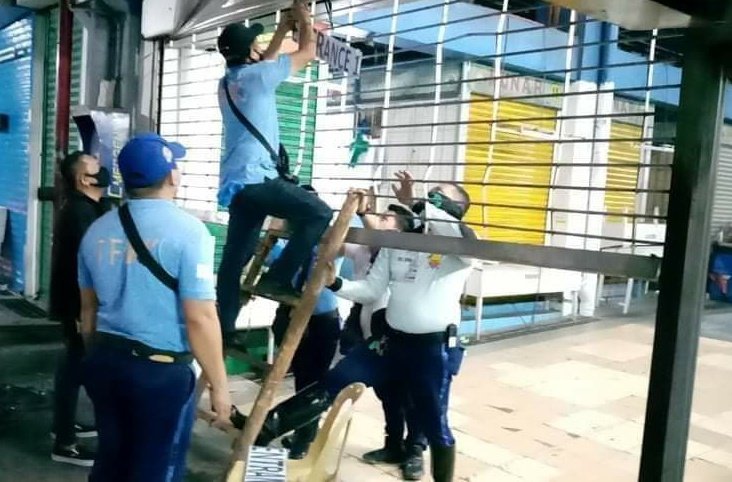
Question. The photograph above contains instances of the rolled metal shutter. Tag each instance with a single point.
(492, 203)
(48, 158)
(624, 156)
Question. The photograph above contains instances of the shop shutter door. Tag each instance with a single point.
(503, 220)
(48, 159)
(619, 174)
(722, 208)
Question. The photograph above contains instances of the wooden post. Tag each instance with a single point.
(300, 317)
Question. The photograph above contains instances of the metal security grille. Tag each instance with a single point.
(561, 127)
(190, 114)
(547, 118)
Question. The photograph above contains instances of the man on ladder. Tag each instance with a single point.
(255, 181)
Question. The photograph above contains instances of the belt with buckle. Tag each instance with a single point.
(140, 350)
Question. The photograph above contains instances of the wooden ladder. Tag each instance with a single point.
(327, 252)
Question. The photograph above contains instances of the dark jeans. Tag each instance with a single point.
(313, 356)
(399, 411)
(423, 371)
(317, 347)
(67, 384)
(307, 216)
(144, 412)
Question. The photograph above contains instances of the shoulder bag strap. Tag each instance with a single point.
(250, 127)
(143, 254)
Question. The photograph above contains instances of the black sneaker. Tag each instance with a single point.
(384, 455)
(413, 467)
(74, 455)
(81, 431)
(85, 431)
(299, 444)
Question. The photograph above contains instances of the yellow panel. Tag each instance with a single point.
(511, 217)
(620, 175)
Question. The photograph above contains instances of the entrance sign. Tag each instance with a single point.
(339, 56)
(266, 465)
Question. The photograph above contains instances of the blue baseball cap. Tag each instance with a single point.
(146, 159)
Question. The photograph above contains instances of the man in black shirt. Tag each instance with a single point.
(85, 181)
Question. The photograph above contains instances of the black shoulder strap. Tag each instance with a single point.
(143, 254)
(245, 122)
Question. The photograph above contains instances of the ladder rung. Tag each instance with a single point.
(288, 300)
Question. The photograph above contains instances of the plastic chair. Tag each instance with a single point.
(323, 460)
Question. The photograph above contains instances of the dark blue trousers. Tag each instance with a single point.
(422, 371)
(399, 413)
(144, 413)
(317, 347)
(307, 216)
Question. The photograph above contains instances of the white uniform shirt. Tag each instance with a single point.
(361, 256)
(425, 288)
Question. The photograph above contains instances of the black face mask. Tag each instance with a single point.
(103, 177)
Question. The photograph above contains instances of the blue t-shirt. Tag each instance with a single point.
(327, 301)
(245, 160)
(132, 302)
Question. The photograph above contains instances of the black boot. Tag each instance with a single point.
(413, 465)
(298, 410)
(301, 440)
(391, 453)
(443, 463)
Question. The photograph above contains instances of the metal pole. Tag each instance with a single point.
(561, 125)
(63, 85)
(379, 172)
(305, 106)
(643, 175)
(495, 102)
(438, 92)
(684, 264)
(344, 80)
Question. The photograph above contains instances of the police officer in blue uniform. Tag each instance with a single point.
(147, 309)
(420, 348)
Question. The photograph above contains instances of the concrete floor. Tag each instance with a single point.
(563, 405)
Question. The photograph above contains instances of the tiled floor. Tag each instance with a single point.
(565, 406)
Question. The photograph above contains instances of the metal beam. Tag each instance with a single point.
(626, 265)
(684, 265)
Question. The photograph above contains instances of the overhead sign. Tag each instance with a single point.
(266, 465)
(540, 91)
(339, 56)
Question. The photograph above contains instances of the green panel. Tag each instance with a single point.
(218, 231)
(290, 98)
(49, 136)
